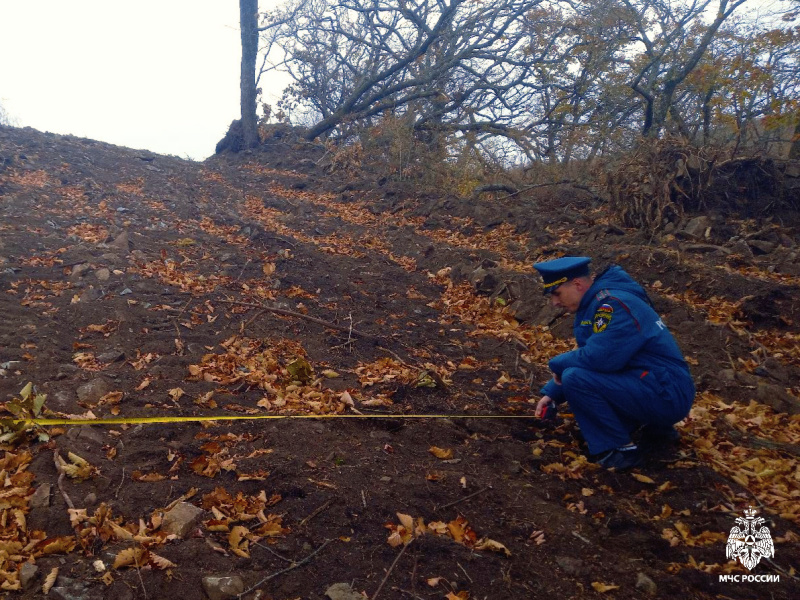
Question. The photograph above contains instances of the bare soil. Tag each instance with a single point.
(127, 267)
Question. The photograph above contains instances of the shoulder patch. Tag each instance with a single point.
(602, 317)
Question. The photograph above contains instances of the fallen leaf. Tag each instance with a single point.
(642, 478)
(131, 557)
(603, 587)
(441, 453)
(49, 581)
(487, 544)
(159, 562)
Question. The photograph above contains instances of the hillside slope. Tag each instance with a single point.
(136, 285)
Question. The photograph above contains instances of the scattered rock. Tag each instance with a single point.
(111, 356)
(87, 433)
(570, 565)
(223, 587)
(762, 247)
(94, 390)
(705, 248)
(73, 589)
(103, 274)
(343, 591)
(41, 497)
(386, 479)
(62, 399)
(90, 499)
(90, 294)
(138, 256)
(698, 227)
(181, 519)
(27, 575)
(778, 398)
(741, 248)
(79, 271)
(121, 242)
(645, 584)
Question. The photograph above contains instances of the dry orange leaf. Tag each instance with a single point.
(237, 539)
(131, 557)
(441, 453)
(603, 587)
(642, 478)
(50, 581)
(159, 562)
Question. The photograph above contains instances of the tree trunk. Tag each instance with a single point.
(248, 24)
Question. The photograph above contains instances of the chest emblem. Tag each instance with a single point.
(602, 318)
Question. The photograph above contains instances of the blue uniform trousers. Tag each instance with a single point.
(610, 406)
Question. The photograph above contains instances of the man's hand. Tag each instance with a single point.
(542, 405)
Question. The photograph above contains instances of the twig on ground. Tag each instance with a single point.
(391, 568)
(316, 512)
(121, 481)
(271, 551)
(247, 262)
(397, 356)
(581, 538)
(291, 567)
(61, 475)
(465, 498)
(291, 313)
(465, 572)
(139, 573)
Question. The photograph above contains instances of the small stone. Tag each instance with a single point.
(741, 248)
(90, 499)
(41, 497)
(62, 399)
(181, 519)
(70, 589)
(386, 479)
(645, 584)
(94, 390)
(221, 588)
(121, 242)
(762, 246)
(343, 591)
(79, 271)
(697, 227)
(103, 274)
(570, 565)
(111, 356)
(27, 575)
(90, 294)
(125, 292)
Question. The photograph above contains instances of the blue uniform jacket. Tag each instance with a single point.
(617, 330)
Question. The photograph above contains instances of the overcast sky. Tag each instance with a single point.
(162, 75)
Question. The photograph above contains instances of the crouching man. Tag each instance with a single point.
(627, 372)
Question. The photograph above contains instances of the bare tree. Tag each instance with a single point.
(248, 24)
(459, 65)
(674, 38)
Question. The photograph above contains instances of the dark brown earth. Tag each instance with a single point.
(155, 252)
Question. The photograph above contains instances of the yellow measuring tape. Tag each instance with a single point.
(144, 420)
